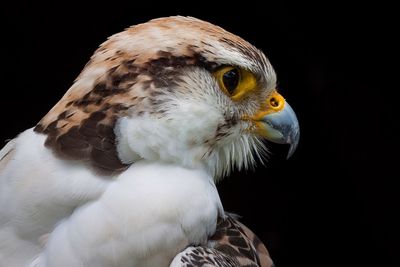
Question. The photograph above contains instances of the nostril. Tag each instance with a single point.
(274, 102)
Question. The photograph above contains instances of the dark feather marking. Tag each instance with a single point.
(129, 63)
(62, 115)
(247, 253)
(93, 141)
(224, 253)
(98, 89)
(228, 250)
(106, 160)
(232, 232)
(238, 241)
(52, 127)
(39, 128)
(103, 90)
(165, 69)
(72, 139)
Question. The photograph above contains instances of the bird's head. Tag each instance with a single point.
(175, 90)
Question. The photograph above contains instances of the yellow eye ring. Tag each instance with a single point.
(235, 82)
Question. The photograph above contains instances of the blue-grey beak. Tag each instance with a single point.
(282, 127)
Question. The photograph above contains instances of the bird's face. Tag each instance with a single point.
(184, 91)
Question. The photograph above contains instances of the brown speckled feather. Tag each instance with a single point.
(232, 245)
(123, 77)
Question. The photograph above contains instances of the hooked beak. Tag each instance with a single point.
(278, 123)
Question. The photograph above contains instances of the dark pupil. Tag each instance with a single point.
(231, 80)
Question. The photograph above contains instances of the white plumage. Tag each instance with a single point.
(114, 223)
(122, 171)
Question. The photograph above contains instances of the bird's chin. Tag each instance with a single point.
(241, 154)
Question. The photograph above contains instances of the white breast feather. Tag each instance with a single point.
(131, 220)
(116, 228)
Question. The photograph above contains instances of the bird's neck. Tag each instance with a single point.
(143, 139)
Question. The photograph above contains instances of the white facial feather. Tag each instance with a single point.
(185, 133)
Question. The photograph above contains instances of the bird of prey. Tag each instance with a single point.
(122, 170)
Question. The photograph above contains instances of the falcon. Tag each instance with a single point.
(122, 170)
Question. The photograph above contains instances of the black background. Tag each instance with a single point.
(335, 202)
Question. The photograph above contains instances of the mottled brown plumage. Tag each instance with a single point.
(232, 245)
(123, 77)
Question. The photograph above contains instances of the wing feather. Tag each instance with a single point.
(232, 245)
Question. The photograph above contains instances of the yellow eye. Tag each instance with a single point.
(235, 82)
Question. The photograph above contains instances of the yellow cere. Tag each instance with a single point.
(274, 103)
(240, 82)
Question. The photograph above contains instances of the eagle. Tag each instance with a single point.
(122, 171)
